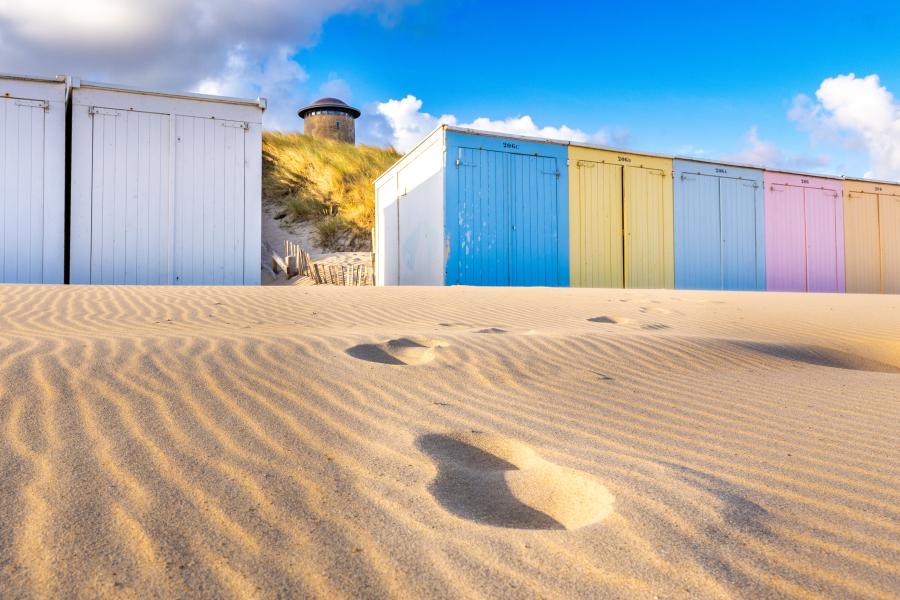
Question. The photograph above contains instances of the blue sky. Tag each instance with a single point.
(678, 77)
(762, 82)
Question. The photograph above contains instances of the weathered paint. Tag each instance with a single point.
(804, 233)
(165, 188)
(32, 180)
(719, 227)
(872, 236)
(506, 211)
(620, 214)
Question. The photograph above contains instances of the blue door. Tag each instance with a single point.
(739, 225)
(719, 227)
(506, 219)
(534, 225)
(698, 243)
(482, 245)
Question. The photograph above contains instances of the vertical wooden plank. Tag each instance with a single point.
(238, 169)
(54, 189)
(228, 207)
(25, 200)
(11, 183)
(251, 173)
(150, 200)
(107, 260)
(38, 226)
(133, 144)
(168, 140)
(889, 215)
(197, 199)
(206, 225)
(216, 260)
(143, 225)
(180, 219)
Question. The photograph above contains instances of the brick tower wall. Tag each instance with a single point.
(331, 127)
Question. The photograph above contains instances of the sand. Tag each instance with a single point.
(447, 443)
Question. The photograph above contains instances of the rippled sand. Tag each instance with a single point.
(447, 443)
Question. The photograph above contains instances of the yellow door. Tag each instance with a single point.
(862, 250)
(620, 219)
(645, 228)
(889, 208)
(595, 231)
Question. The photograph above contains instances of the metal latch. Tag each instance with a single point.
(237, 124)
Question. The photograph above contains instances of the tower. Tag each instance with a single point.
(331, 119)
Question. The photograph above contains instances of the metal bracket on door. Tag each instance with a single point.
(103, 111)
(237, 125)
(34, 104)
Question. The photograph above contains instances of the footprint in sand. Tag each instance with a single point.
(610, 320)
(402, 351)
(499, 481)
(655, 326)
(491, 330)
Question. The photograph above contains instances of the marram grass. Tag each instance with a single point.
(327, 183)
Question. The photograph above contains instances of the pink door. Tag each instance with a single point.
(821, 240)
(785, 239)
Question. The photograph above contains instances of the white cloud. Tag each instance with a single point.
(856, 112)
(276, 77)
(236, 47)
(764, 153)
(336, 87)
(405, 124)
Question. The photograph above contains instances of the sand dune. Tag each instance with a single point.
(457, 443)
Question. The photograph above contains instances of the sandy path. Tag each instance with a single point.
(371, 442)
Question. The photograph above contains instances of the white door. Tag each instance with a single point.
(22, 226)
(209, 201)
(131, 216)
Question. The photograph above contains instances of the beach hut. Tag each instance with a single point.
(872, 236)
(804, 233)
(165, 188)
(620, 214)
(32, 179)
(719, 226)
(473, 208)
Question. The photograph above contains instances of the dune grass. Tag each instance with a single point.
(326, 183)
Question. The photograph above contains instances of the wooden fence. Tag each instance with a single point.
(297, 261)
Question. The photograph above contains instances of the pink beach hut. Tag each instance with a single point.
(804, 233)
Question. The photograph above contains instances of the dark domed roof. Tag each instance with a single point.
(329, 104)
